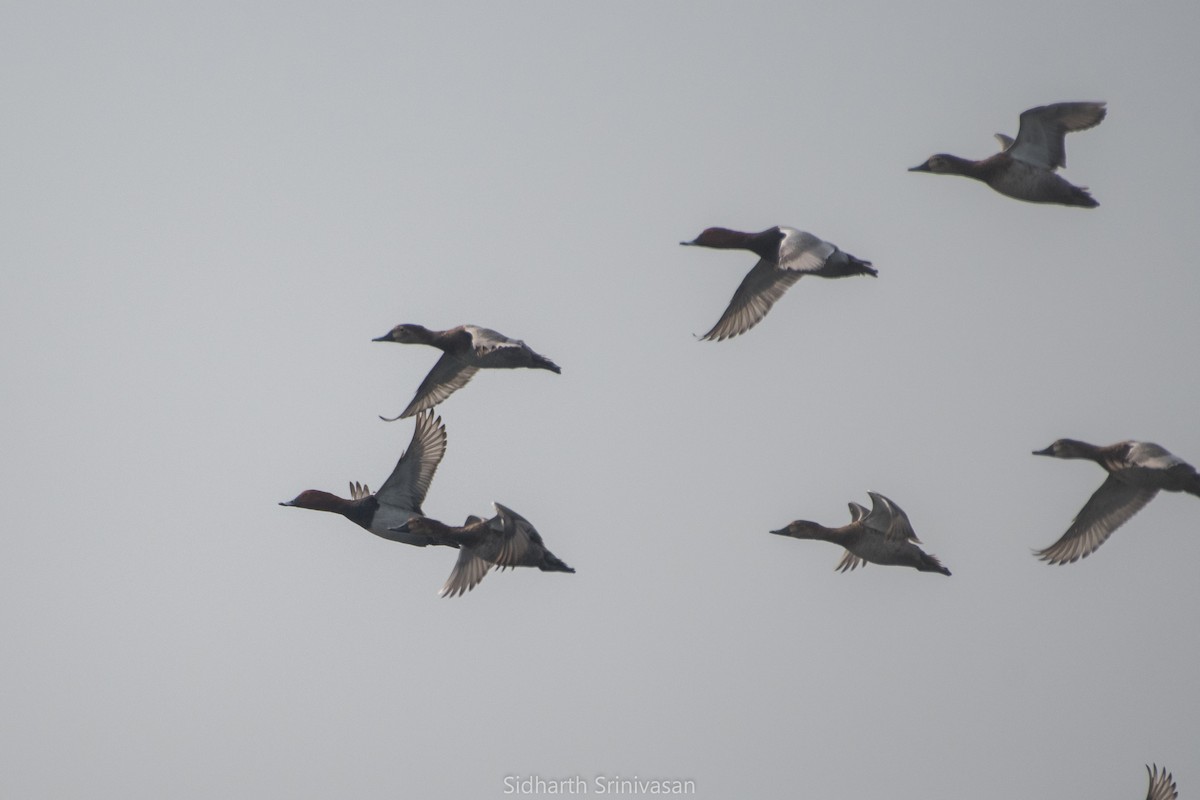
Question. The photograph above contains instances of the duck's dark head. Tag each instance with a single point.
(802, 529)
(317, 500)
(764, 243)
(727, 238)
(941, 164)
(404, 334)
(1066, 448)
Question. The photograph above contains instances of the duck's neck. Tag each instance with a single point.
(422, 335)
(360, 511)
(427, 526)
(764, 243)
(1073, 448)
(805, 529)
(441, 533)
(980, 170)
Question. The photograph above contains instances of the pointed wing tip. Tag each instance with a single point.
(1055, 559)
(719, 336)
(397, 417)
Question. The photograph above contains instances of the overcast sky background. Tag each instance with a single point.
(211, 209)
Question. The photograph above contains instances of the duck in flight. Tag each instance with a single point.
(784, 256)
(400, 496)
(465, 350)
(1137, 471)
(506, 540)
(883, 535)
(1024, 168)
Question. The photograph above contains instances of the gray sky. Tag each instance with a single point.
(210, 210)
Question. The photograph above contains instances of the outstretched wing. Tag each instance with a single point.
(1162, 785)
(405, 488)
(849, 561)
(468, 571)
(889, 519)
(1040, 140)
(518, 537)
(759, 290)
(448, 375)
(1108, 509)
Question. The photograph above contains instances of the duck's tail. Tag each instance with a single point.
(541, 362)
(1081, 197)
(552, 563)
(843, 265)
(860, 267)
(931, 564)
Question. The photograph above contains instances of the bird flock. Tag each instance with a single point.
(1024, 169)
(394, 512)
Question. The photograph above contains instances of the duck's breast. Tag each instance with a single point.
(388, 517)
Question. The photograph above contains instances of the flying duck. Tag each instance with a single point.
(1024, 169)
(1136, 472)
(784, 255)
(882, 536)
(465, 350)
(400, 496)
(506, 540)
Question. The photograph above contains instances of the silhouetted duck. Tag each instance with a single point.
(506, 540)
(1024, 169)
(465, 350)
(1136, 472)
(785, 254)
(1162, 785)
(883, 536)
(400, 496)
